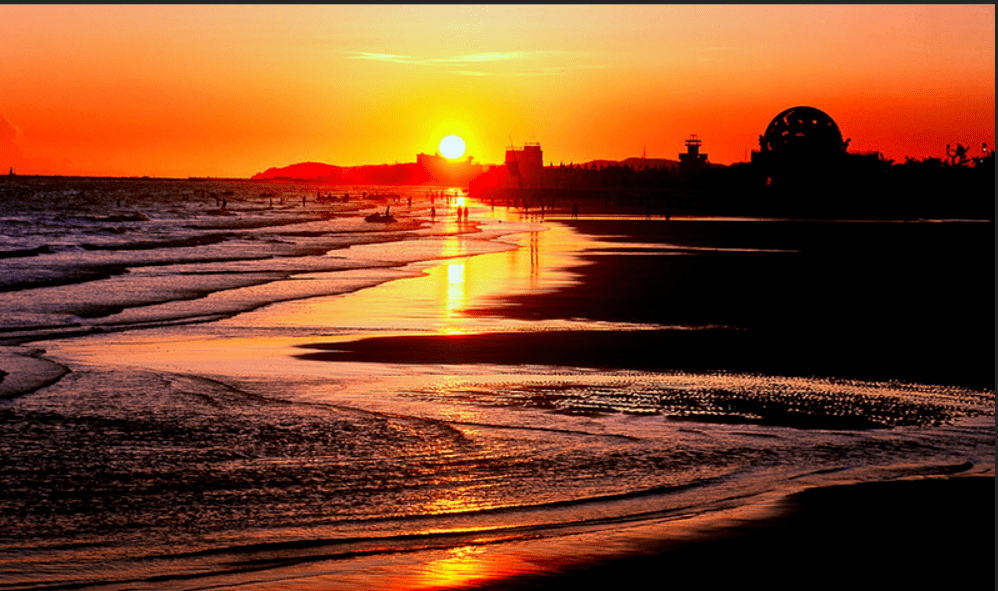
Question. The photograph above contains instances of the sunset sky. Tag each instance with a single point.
(229, 91)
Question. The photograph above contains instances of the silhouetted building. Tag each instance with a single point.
(802, 146)
(799, 135)
(692, 159)
(524, 166)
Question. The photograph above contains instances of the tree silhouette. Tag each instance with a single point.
(958, 156)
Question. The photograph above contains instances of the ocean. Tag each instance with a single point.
(163, 426)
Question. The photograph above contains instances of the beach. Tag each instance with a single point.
(305, 402)
(497, 298)
(918, 532)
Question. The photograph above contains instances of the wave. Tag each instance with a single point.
(210, 565)
(26, 252)
(183, 242)
(26, 371)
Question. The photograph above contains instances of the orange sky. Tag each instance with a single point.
(229, 91)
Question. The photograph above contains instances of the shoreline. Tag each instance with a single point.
(919, 533)
(910, 532)
(729, 295)
(807, 538)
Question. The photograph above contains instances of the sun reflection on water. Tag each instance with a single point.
(461, 566)
(468, 567)
(453, 280)
(456, 295)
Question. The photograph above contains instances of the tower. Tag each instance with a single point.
(692, 159)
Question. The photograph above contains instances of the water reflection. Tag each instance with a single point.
(535, 257)
(452, 276)
(461, 566)
(456, 292)
(456, 298)
(468, 567)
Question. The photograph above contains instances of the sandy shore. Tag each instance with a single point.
(922, 534)
(877, 301)
(826, 302)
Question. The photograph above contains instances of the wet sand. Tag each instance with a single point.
(921, 534)
(877, 301)
(907, 302)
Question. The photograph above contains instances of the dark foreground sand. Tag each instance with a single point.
(925, 534)
(908, 302)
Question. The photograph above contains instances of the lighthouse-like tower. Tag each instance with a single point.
(692, 159)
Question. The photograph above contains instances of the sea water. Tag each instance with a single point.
(160, 428)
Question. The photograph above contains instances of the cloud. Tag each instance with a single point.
(382, 57)
(490, 56)
(481, 59)
(473, 58)
(561, 70)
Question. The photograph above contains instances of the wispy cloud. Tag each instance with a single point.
(491, 56)
(562, 70)
(474, 58)
(527, 59)
(382, 57)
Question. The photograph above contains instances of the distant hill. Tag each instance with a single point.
(429, 169)
(305, 171)
(408, 173)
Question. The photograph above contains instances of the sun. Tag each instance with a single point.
(452, 147)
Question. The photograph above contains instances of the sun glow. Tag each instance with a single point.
(452, 147)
